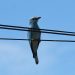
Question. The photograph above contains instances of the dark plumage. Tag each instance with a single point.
(34, 35)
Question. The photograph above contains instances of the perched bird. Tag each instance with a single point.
(34, 37)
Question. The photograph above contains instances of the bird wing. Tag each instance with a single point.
(34, 43)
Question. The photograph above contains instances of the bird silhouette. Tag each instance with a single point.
(34, 37)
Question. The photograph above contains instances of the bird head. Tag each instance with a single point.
(34, 19)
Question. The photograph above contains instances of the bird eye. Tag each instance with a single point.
(33, 19)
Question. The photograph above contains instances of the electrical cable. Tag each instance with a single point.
(34, 28)
(19, 28)
(37, 40)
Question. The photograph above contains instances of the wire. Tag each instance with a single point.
(37, 40)
(36, 29)
(19, 28)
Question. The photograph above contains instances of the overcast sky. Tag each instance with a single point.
(55, 58)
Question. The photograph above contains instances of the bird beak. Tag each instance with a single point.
(39, 17)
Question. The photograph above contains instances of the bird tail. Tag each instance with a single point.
(36, 60)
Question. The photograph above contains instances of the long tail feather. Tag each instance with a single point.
(36, 60)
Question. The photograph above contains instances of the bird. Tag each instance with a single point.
(34, 37)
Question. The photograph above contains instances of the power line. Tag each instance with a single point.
(34, 28)
(49, 31)
(19, 28)
(37, 40)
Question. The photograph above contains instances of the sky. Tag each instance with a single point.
(55, 58)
